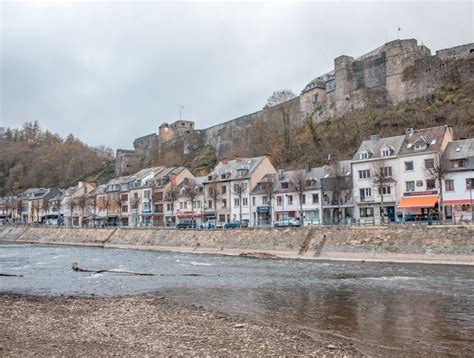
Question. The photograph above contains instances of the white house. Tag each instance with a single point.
(232, 182)
(277, 196)
(417, 189)
(375, 169)
(458, 159)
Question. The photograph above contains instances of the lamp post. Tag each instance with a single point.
(471, 180)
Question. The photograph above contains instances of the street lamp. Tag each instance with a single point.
(471, 181)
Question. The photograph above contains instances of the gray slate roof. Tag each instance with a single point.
(375, 147)
(232, 167)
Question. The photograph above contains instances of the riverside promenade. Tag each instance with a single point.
(417, 244)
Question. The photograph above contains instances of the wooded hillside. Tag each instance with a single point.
(30, 157)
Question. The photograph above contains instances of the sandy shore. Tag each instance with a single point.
(142, 326)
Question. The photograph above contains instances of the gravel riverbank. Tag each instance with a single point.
(141, 326)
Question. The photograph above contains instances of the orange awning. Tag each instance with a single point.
(426, 201)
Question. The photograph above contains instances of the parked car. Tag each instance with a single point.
(232, 225)
(245, 224)
(219, 225)
(186, 224)
(210, 224)
(290, 222)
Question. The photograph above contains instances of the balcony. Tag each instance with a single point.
(387, 198)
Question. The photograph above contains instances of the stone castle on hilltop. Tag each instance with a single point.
(398, 71)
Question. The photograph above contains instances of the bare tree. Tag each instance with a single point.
(82, 204)
(120, 199)
(439, 172)
(269, 190)
(239, 190)
(92, 202)
(280, 96)
(381, 179)
(337, 183)
(190, 193)
(298, 180)
(172, 196)
(214, 193)
(46, 207)
(71, 204)
(108, 200)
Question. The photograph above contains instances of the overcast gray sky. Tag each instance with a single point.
(109, 72)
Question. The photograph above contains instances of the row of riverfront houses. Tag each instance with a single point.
(418, 175)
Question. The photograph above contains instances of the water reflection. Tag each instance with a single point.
(386, 308)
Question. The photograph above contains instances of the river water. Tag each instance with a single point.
(385, 308)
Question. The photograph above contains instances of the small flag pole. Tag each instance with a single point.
(399, 32)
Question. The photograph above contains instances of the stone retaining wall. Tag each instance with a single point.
(304, 242)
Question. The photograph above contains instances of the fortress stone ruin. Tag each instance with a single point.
(397, 71)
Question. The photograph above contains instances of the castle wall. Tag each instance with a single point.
(395, 72)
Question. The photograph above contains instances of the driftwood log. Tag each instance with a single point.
(258, 255)
(76, 267)
(10, 275)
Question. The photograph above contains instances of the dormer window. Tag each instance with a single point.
(284, 185)
(365, 154)
(386, 152)
(419, 146)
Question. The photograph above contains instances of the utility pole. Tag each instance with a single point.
(180, 108)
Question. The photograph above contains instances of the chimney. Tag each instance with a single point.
(238, 158)
(307, 167)
(224, 160)
(409, 132)
(173, 180)
(374, 138)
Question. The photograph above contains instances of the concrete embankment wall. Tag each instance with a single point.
(417, 244)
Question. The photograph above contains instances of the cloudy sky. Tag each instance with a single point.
(110, 71)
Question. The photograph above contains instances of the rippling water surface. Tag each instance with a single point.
(385, 308)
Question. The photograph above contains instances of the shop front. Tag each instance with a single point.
(264, 216)
(198, 216)
(418, 206)
(458, 210)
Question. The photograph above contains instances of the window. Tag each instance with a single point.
(124, 197)
(290, 199)
(265, 200)
(303, 199)
(146, 194)
(365, 192)
(386, 172)
(279, 200)
(419, 146)
(364, 174)
(245, 202)
(429, 163)
(159, 196)
(386, 190)
(315, 198)
(209, 204)
(169, 207)
(459, 163)
(224, 203)
(430, 184)
(449, 184)
(366, 212)
(469, 183)
(364, 155)
(409, 165)
(236, 202)
(253, 200)
(223, 176)
(410, 185)
(124, 208)
(284, 185)
(224, 189)
(197, 204)
(386, 152)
